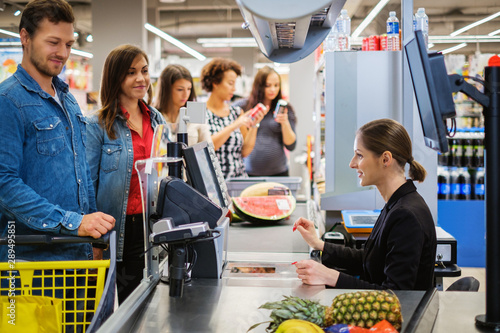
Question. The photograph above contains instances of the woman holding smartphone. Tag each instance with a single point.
(233, 131)
(277, 129)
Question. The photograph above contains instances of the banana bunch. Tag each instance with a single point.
(298, 326)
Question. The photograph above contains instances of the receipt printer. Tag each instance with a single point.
(183, 204)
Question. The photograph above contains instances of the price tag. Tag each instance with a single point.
(283, 204)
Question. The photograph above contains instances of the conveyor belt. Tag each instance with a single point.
(271, 237)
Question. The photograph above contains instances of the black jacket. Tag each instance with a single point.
(400, 252)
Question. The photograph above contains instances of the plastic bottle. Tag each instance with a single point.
(443, 158)
(479, 188)
(464, 180)
(392, 32)
(456, 151)
(467, 150)
(443, 177)
(422, 23)
(450, 157)
(478, 146)
(330, 42)
(454, 183)
(343, 24)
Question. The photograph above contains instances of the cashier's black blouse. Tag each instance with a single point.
(400, 252)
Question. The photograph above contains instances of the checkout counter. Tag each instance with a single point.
(239, 267)
(230, 304)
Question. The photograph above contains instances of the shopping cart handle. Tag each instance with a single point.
(48, 239)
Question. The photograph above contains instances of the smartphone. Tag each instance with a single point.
(280, 107)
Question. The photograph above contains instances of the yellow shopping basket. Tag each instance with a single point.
(57, 296)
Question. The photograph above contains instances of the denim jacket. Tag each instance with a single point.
(45, 184)
(111, 163)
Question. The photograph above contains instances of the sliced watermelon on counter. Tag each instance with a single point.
(264, 208)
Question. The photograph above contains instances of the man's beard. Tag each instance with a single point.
(43, 67)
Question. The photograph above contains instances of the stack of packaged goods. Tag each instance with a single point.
(391, 40)
(461, 169)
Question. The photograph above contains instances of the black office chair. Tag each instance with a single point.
(467, 283)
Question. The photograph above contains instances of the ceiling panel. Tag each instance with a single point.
(192, 19)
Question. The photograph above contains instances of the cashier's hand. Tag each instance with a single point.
(308, 232)
(96, 224)
(314, 273)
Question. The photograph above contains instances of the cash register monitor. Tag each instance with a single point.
(432, 91)
(203, 172)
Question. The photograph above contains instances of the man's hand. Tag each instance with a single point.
(96, 224)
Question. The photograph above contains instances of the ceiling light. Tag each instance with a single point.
(247, 40)
(17, 13)
(10, 43)
(227, 42)
(493, 33)
(175, 42)
(454, 48)
(89, 38)
(10, 33)
(369, 18)
(464, 39)
(210, 45)
(82, 53)
(73, 51)
(430, 46)
(475, 24)
(76, 34)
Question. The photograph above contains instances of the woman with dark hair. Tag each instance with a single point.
(233, 131)
(401, 250)
(175, 89)
(120, 134)
(275, 133)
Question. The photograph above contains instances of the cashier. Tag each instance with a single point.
(401, 249)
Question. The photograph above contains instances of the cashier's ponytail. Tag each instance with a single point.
(417, 171)
(383, 135)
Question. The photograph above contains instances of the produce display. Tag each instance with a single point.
(363, 309)
(264, 202)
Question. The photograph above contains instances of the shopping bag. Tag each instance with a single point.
(38, 314)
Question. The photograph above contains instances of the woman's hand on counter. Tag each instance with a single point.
(308, 232)
(314, 273)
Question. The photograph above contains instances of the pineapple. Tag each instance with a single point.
(361, 308)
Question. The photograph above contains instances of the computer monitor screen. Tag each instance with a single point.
(432, 92)
(201, 171)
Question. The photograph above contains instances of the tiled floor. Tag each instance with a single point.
(478, 273)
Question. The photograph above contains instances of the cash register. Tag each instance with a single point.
(186, 218)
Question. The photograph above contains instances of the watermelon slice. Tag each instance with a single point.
(265, 189)
(265, 208)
